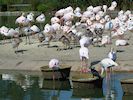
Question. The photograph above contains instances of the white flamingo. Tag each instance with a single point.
(112, 55)
(41, 19)
(4, 32)
(30, 17)
(60, 13)
(54, 64)
(22, 20)
(85, 41)
(121, 42)
(105, 40)
(55, 20)
(77, 13)
(105, 8)
(113, 6)
(106, 64)
(97, 9)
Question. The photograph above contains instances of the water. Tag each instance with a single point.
(28, 87)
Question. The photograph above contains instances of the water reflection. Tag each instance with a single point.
(26, 87)
(9, 90)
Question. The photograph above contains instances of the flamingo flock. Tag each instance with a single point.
(74, 27)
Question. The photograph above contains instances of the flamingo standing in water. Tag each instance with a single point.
(106, 64)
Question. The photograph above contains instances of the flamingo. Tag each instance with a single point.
(128, 12)
(112, 55)
(85, 41)
(68, 17)
(105, 40)
(54, 64)
(68, 9)
(15, 43)
(41, 19)
(105, 8)
(27, 31)
(121, 42)
(77, 13)
(106, 64)
(97, 9)
(55, 20)
(64, 38)
(60, 13)
(113, 6)
(30, 18)
(90, 8)
(4, 32)
(84, 56)
(35, 30)
(22, 21)
(49, 32)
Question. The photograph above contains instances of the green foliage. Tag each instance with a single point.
(48, 6)
(9, 1)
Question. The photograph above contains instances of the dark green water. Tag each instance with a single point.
(29, 87)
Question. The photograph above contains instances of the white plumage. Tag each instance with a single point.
(105, 40)
(113, 5)
(55, 20)
(12, 32)
(30, 17)
(112, 55)
(54, 63)
(84, 52)
(121, 42)
(4, 30)
(22, 20)
(97, 9)
(84, 42)
(107, 63)
(35, 29)
(77, 12)
(105, 8)
(108, 25)
(41, 18)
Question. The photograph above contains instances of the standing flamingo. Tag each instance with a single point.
(41, 19)
(54, 64)
(112, 55)
(106, 64)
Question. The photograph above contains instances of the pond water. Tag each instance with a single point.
(33, 87)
